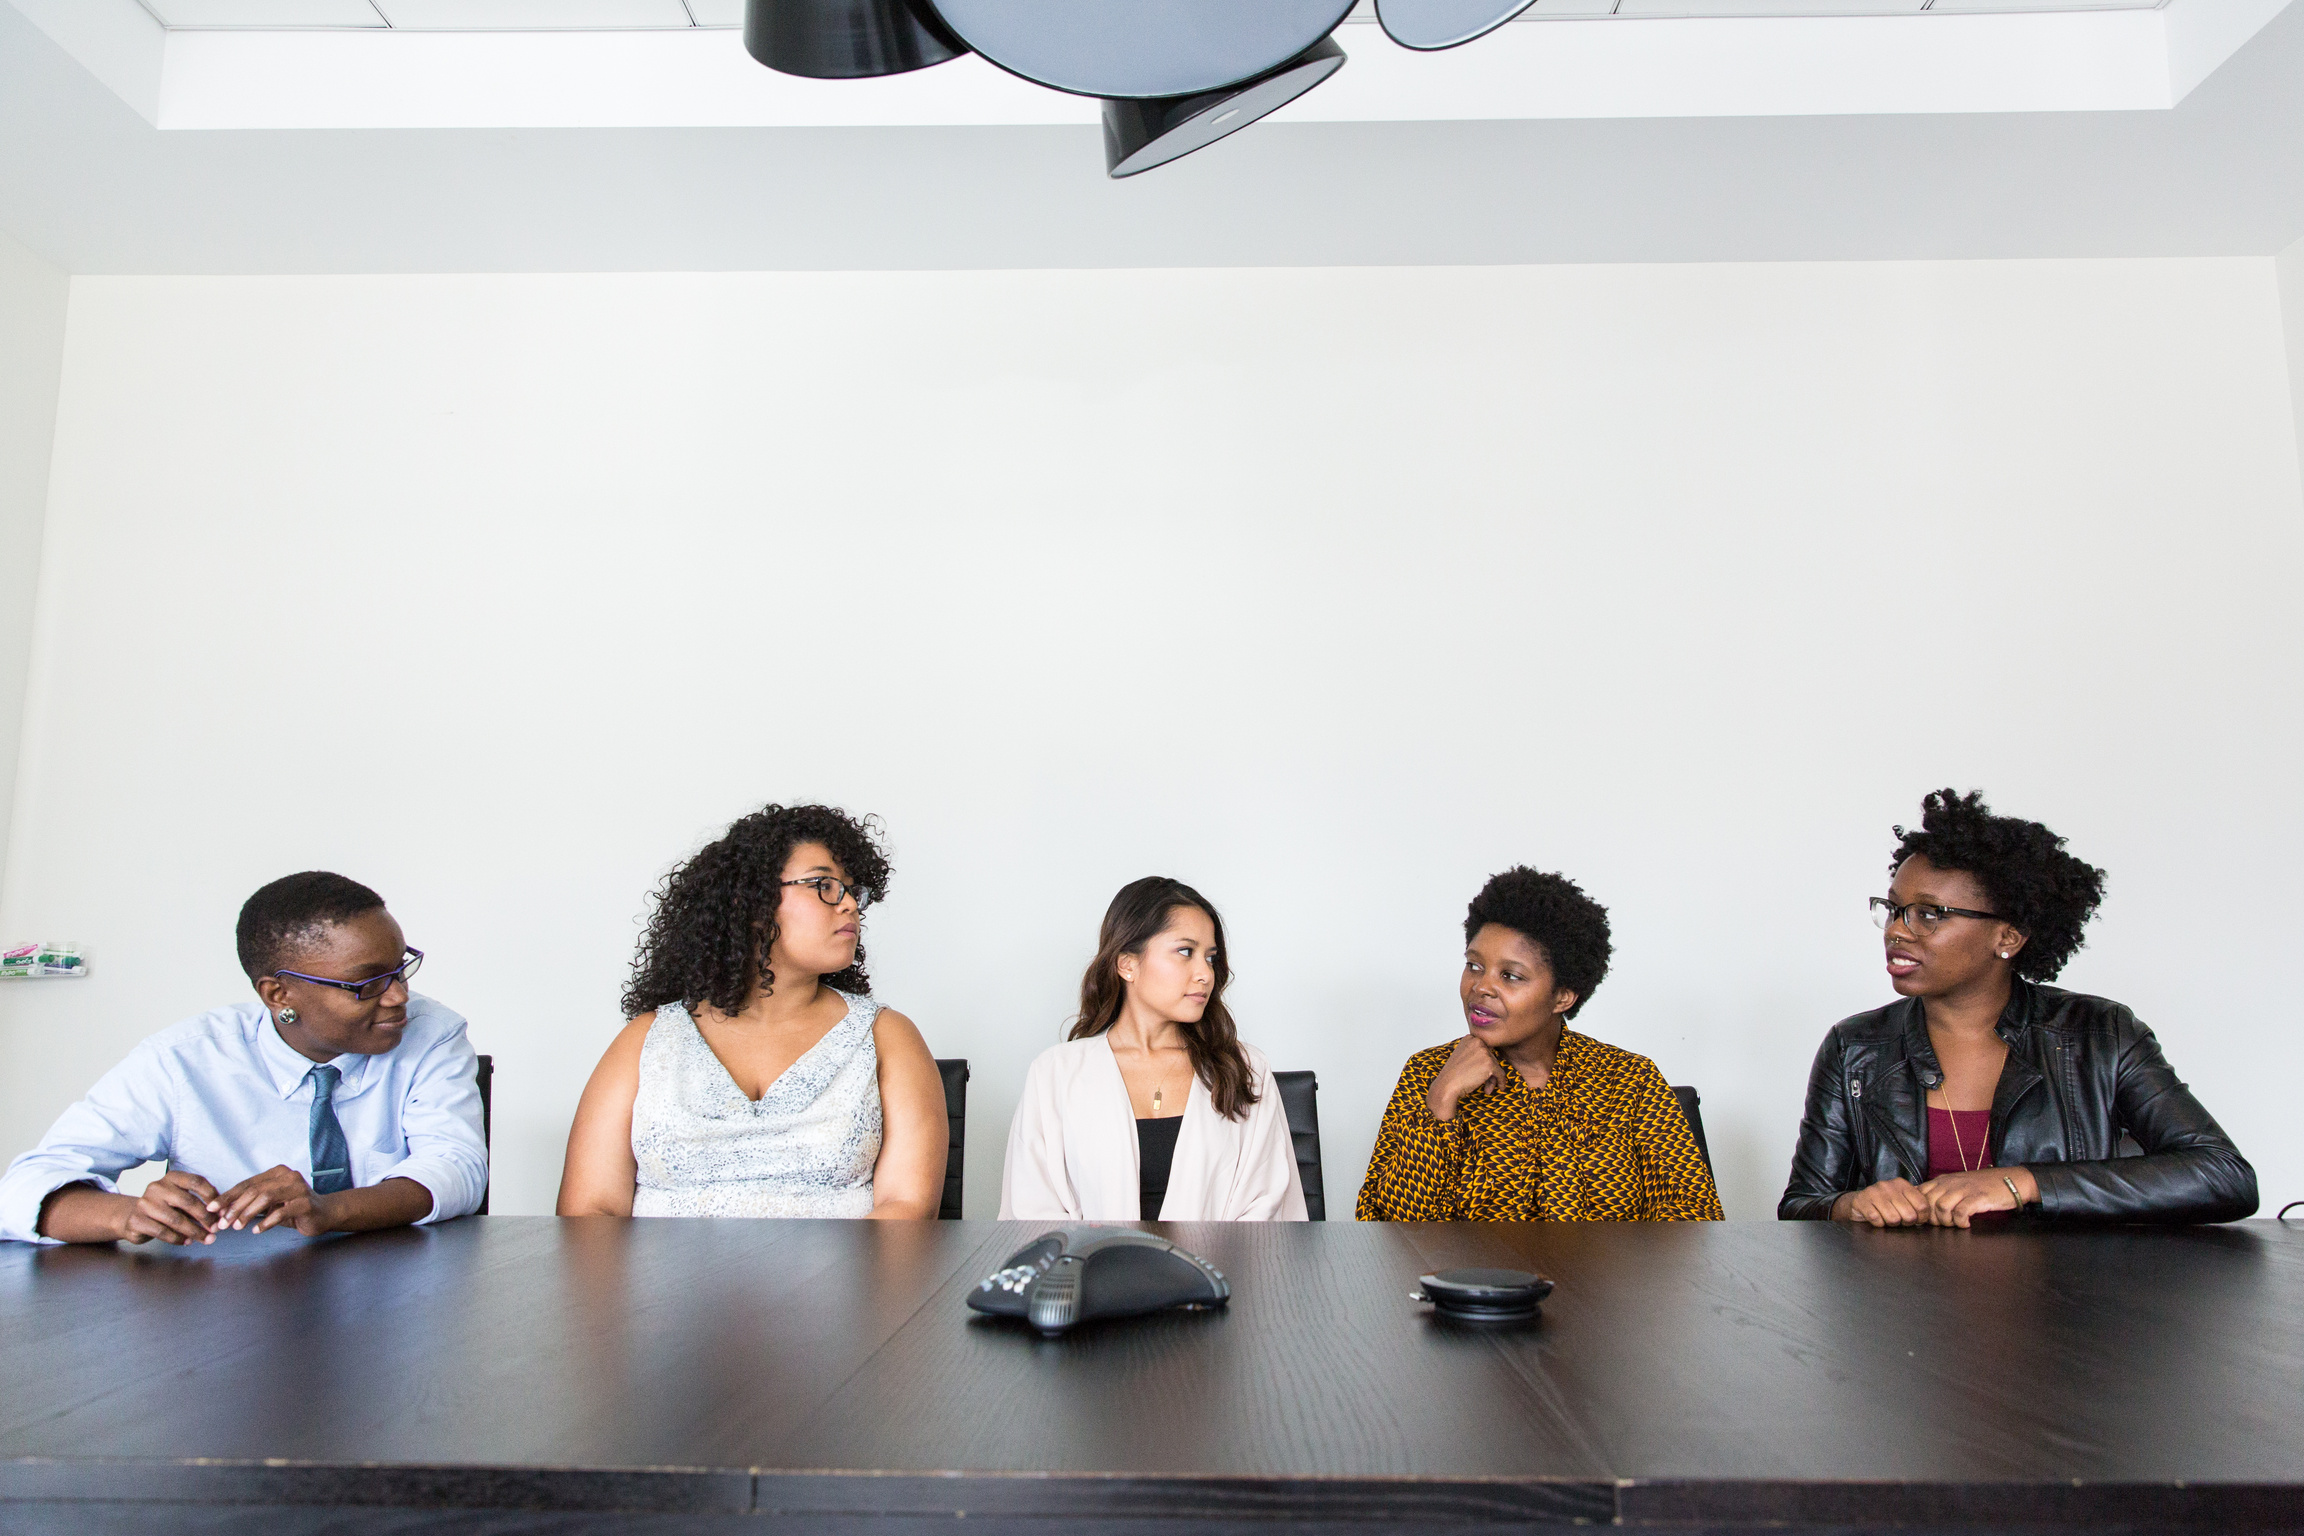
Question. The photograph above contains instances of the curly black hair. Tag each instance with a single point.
(1553, 913)
(715, 916)
(2043, 892)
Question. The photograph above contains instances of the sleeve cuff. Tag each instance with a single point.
(452, 1192)
(2052, 1180)
(1450, 1131)
(21, 1198)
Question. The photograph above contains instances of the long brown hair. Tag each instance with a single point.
(1136, 917)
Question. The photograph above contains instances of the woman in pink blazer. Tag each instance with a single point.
(1154, 1109)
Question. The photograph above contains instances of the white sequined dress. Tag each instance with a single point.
(806, 1147)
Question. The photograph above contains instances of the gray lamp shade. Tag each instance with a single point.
(846, 39)
(1430, 24)
(1139, 135)
(1140, 48)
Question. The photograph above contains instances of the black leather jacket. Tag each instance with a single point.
(2084, 1081)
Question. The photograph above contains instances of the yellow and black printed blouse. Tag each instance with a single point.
(1604, 1140)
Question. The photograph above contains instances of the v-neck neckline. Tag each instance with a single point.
(766, 1093)
(1191, 1083)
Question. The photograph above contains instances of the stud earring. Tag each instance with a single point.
(287, 1015)
(2003, 954)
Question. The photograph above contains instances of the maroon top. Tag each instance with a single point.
(1974, 1139)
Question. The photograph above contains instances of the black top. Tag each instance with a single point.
(2136, 1377)
(2081, 1073)
(1155, 1154)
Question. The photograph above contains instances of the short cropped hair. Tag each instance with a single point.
(1553, 913)
(2043, 892)
(290, 912)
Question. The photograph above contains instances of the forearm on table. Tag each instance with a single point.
(1823, 1157)
(82, 1213)
(392, 1203)
(1676, 1182)
(1822, 1171)
(1688, 1197)
(2198, 1184)
(456, 1178)
(1421, 1178)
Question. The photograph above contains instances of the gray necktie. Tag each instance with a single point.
(331, 1154)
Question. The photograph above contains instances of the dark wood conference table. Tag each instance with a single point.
(528, 1373)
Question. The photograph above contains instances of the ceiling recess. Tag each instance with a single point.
(1408, 18)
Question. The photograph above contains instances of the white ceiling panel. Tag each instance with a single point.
(1966, 7)
(1686, 8)
(1365, 10)
(265, 13)
(591, 15)
(1556, 10)
(531, 15)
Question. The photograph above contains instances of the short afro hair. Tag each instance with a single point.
(1553, 913)
(290, 912)
(2043, 892)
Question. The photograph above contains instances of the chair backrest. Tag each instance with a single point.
(1690, 1099)
(955, 1074)
(1300, 1097)
(487, 1076)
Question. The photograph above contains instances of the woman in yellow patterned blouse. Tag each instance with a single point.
(1523, 1119)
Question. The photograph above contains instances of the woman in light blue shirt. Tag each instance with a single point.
(338, 1102)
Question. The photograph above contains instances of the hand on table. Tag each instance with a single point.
(174, 1208)
(1889, 1203)
(279, 1196)
(1950, 1200)
(1470, 1068)
(1953, 1198)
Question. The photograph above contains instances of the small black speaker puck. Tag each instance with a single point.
(1485, 1295)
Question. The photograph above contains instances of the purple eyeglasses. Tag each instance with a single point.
(374, 987)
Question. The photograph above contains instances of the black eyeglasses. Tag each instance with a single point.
(832, 892)
(374, 987)
(1921, 917)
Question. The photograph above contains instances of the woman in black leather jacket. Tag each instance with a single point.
(1983, 1090)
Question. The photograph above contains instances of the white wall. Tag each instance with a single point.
(33, 296)
(1330, 591)
(2288, 268)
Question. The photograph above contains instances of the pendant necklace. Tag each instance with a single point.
(1159, 1094)
(1958, 1150)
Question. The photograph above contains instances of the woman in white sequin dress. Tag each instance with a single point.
(757, 1077)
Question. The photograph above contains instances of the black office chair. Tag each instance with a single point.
(487, 1076)
(1300, 1097)
(955, 1074)
(1689, 1100)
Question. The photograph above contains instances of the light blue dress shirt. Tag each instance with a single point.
(223, 1096)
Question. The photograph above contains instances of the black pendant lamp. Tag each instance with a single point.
(1432, 24)
(846, 39)
(1173, 75)
(1139, 135)
(1141, 48)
